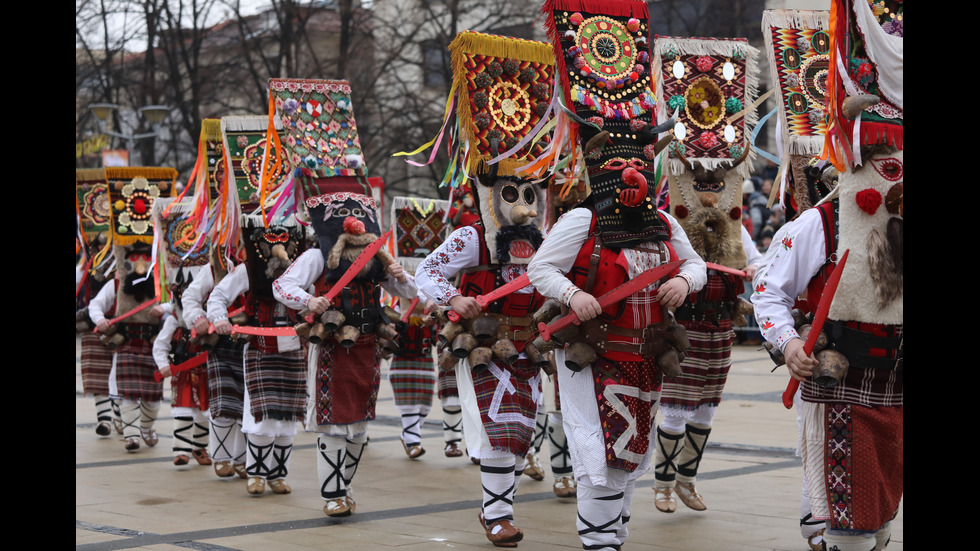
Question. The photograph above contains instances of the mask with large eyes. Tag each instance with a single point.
(513, 211)
(269, 252)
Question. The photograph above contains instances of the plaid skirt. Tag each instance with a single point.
(412, 380)
(447, 384)
(346, 382)
(507, 396)
(134, 372)
(705, 367)
(226, 379)
(96, 363)
(276, 384)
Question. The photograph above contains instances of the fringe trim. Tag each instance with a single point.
(719, 47)
(506, 167)
(176, 206)
(148, 172)
(794, 19)
(247, 123)
(424, 202)
(469, 42)
(89, 174)
(614, 8)
(211, 130)
(126, 240)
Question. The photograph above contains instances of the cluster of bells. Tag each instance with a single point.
(832, 365)
(477, 341)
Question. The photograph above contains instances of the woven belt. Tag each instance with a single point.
(705, 311)
(856, 345)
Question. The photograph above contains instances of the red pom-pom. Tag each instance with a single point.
(353, 226)
(868, 200)
(680, 211)
(735, 213)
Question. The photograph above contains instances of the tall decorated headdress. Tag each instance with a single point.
(867, 129)
(92, 212)
(180, 252)
(502, 88)
(603, 72)
(132, 194)
(710, 85)
(420, 225)
(798, 46)
(866, 59)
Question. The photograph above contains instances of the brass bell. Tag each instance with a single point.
(332, 320)
(485, 328)
(462, 345)
(347, 336)
(578, 356)
(831, 369)
(505, 351)
(480, 357)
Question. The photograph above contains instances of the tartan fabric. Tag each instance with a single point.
(412, 380)
(447, 384)
(276, 384)
(189, 388)
(624, 391)
(705, 367)
(226, 379)
(96, 363)
(864, 466)
(347, 381)
(134, 371)
(865, 387)
(508, 404)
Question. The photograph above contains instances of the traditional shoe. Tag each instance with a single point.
(532, 467)
(150, 437)
(452, 450)
(181, 460)
(255, 485)
(202, 457)
(565, 487)
(103, 428)
(240, 470)
(815, 542)
(665, 501)
(279, 486)
(337, 507)
(132, 444)
(690, 496)
(414, 451)
(350, 500)
(502, 533)
(224, 469)
(117, 424)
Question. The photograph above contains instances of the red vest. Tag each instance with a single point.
(610, 274)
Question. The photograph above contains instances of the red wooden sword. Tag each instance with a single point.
(360, 262)
(819, 317)
(513, 285)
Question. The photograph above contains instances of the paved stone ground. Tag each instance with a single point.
(750, 479)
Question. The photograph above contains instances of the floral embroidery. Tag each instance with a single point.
(761, 287)
(787, 243)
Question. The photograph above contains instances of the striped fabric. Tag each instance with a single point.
(412, 380)
(96, 363)
(134, 371)
(508, 408)
(705, 367)
(226, 379)
(276, 384)
(447, 384)
(347, 381)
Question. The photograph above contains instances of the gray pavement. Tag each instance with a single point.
(750, 479)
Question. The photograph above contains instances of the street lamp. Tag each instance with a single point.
(153, 114)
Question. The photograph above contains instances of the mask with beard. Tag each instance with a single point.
(345, 223)
(269, 252)
(513, 212)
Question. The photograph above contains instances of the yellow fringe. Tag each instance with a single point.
(506, 167)
(470, 43)
(89, 174)
(211, 130)
(148, 172)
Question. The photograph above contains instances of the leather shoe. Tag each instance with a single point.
(150, 437)
(181, 460)
(337, 507)
(665, 501)
(224, 469)
(103, 428)
(565, 487)
(502, 533)
(452, 450)
(202, 457)
(132, 444)
(690, 496)
(240, 470)
(279, 486)
(255, 485)
(532, 467)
